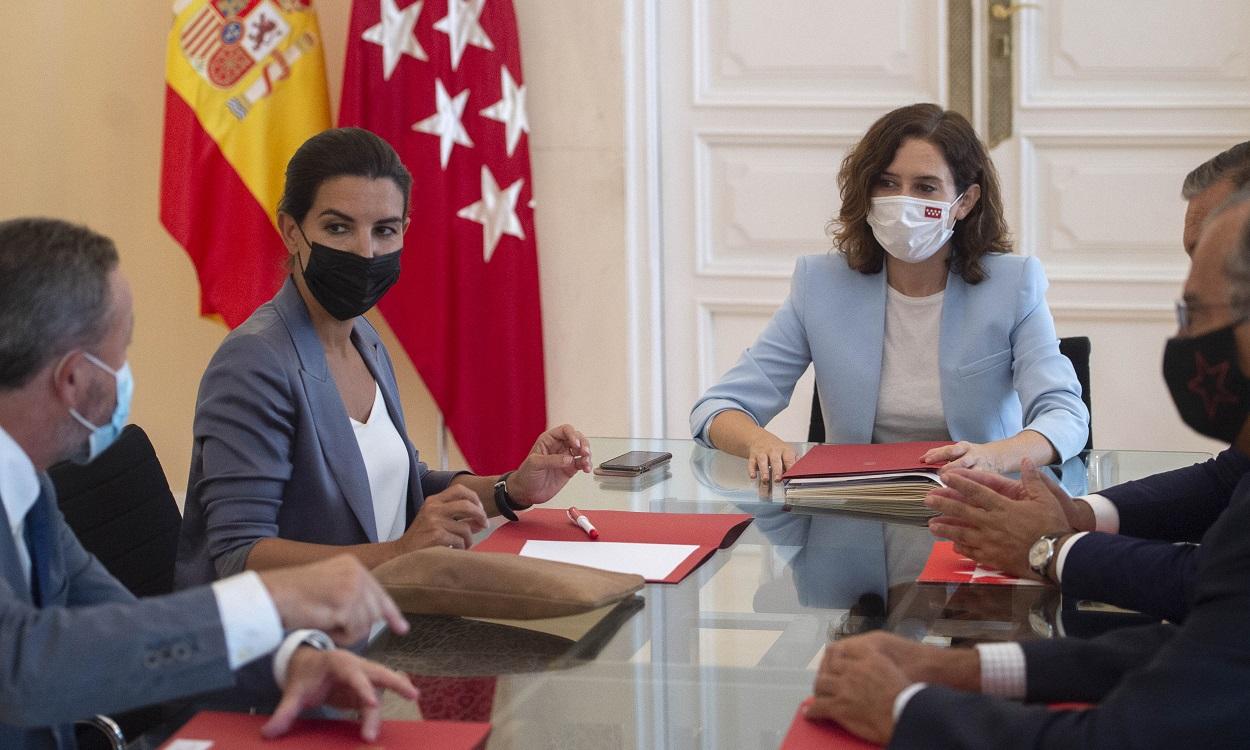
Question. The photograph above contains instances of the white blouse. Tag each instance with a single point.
(386, 462)
(909, 404)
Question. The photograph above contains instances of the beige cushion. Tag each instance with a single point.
(445, 581)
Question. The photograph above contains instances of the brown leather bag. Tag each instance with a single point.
(445, 581)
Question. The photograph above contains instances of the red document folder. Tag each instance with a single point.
(945, 565)
(879, 458)
(242, 732)
(818, 734)
(710, 531)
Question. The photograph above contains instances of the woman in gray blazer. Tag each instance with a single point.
(301, 451)
(921, 327)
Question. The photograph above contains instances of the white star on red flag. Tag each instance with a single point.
(510, 109)
(394, 33)
(463, 27)
(496, 212)
(445, 123)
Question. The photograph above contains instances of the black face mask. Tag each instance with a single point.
(1207, 385)
(347, 284)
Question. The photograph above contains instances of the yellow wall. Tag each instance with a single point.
(82, 85)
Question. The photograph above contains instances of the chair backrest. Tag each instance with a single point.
(816, 426)
(121, 509)
(1075, 348)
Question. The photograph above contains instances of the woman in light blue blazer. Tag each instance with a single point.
(921, 327)
(301, 450)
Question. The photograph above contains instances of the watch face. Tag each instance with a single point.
(1039, 553)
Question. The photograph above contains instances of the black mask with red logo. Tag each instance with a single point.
(1207, 384)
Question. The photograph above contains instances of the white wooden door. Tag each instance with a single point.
(1115, 101)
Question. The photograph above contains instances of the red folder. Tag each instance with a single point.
(819, 734)
(945, 565)
(877, 458)
(710, 531)
(242, 732)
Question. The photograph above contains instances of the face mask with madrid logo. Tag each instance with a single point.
(912, 229)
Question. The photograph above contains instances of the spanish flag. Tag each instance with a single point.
(246, 85)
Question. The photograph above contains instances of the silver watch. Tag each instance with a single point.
(1041, 553)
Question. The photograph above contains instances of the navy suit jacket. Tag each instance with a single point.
(1143, 567)
(275, 454)
(92, 647)
(1160, 686)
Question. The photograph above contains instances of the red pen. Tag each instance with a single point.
(580, 519)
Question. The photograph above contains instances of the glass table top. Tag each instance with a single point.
(723, 659)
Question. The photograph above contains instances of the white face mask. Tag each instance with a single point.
(912, 229)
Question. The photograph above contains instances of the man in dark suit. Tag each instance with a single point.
(73, 641)
(1132, 559)
(1156, 686)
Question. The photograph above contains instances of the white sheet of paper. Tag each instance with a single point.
(653, 562)
(190, 745)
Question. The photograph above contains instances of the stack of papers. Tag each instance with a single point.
(887, 480)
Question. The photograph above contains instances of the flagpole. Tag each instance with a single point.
(443, 461)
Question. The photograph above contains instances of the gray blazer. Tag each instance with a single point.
(93, 647)
(275, 454)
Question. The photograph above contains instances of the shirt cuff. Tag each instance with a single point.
(282, 657)
(248, 618)
(1063, 554)
(1106, 515)
(1002, 669)
(900, 700)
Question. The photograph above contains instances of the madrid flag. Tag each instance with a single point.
(441, 81)
(246, 85)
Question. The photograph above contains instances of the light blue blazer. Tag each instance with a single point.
(275, 454)
(1000, 366)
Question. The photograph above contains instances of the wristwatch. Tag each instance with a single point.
(1041, 553)
(504, 502)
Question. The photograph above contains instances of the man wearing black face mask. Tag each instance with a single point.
(1131, 559)
(1155, 686)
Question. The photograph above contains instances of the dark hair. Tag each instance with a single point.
(1216, 168)
(982, 231)
(54, 293)
(339, 152)
(1240, 177)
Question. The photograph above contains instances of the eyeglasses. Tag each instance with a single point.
(1185, 311)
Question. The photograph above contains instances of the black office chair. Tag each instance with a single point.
(1075, 348)
(122, 511)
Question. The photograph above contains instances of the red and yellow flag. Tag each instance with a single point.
(246, 85)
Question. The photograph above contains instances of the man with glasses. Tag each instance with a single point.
(1162, 685)
(1120, 546)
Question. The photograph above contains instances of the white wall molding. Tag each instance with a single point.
(842, 91)
(762, 259)
(644, 267)
(1064, 79)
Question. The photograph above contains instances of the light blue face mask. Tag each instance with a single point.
(104, 435)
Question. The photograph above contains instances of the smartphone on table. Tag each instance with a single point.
(633, 463)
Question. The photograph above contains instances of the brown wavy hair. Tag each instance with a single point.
(982, 231)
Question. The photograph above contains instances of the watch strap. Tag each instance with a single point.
(503, 501)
